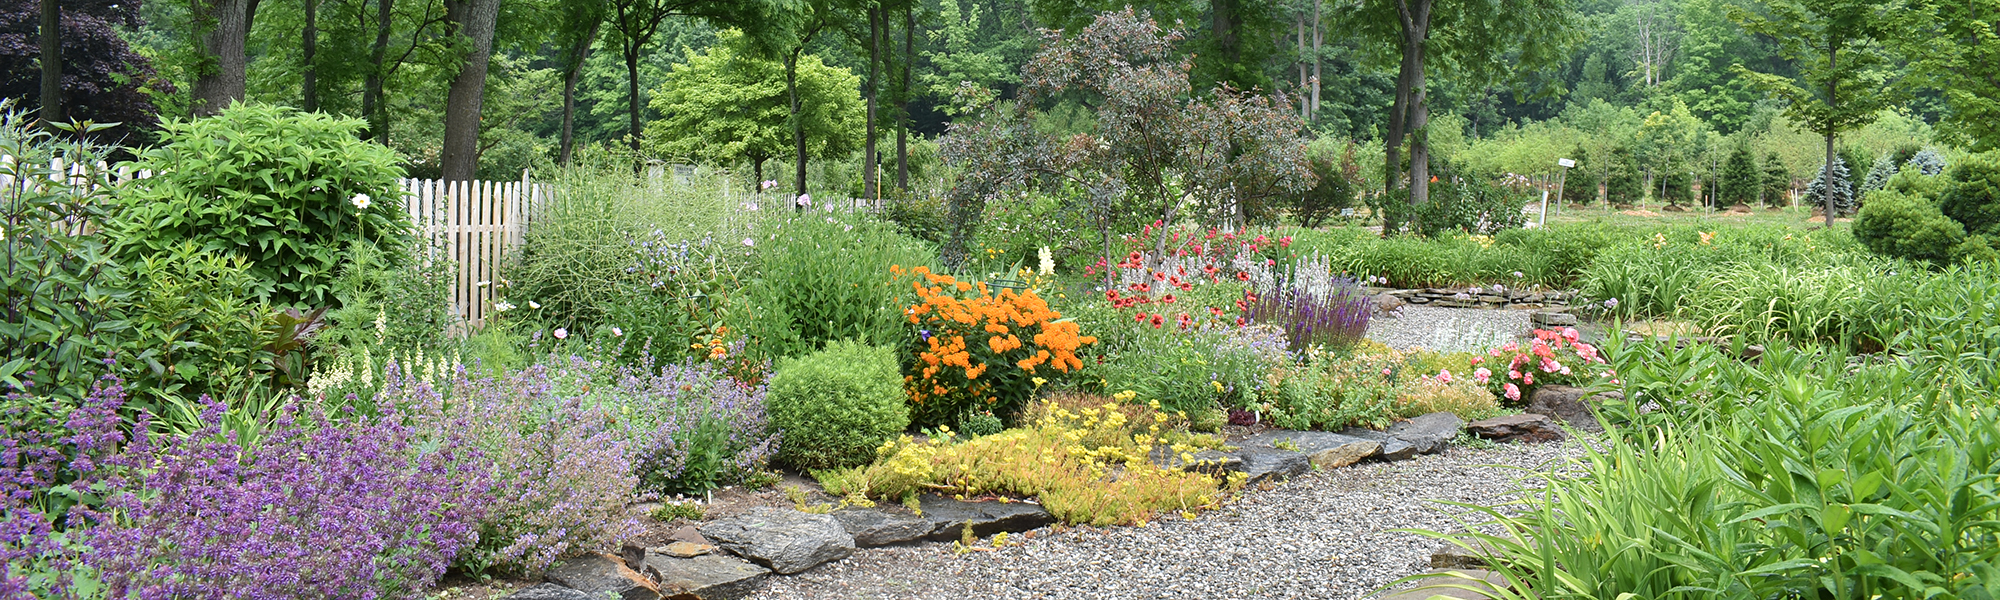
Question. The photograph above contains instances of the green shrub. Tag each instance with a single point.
(198, 312)
(62, 296)
(834, 407)
(1466, 206)
(823, 277)
(1194, 371)
(287, 191)
(1974, 195)
(1905, 226)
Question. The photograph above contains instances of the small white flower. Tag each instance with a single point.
(616, 332)
(502, 306)
(534, 304)
(1048, 260)
(1517, 275)
(768, 184)
(561, 334)
(482, 284)
(361, 201)
(749, 242)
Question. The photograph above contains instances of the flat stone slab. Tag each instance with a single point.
(1325, 450)
(787, 541)
(1433, 587)
(1525, 427)
(950, 517)
(872, 527)
(707, 577)
(1214, 463)
(604, 576)
(1568, 405)
(1430, 433)
(547, 591)
(1393, 448)
(1267, 464)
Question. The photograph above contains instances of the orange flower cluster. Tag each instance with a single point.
(1021, 335)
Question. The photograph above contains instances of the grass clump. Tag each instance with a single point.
(1086, 458)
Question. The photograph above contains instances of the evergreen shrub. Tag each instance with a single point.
(834, 407)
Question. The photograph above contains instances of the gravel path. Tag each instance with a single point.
(1448, 329)
(1324, 535)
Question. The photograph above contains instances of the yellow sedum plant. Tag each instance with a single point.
(1087, 463)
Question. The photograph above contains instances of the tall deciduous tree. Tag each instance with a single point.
(1844, 73)
(1955, 47)
(724, 105)
(102, 78)
(1480, 41)
(474, 22)
(635, 22)
(223, 27)
(51, 58)
(580, 23)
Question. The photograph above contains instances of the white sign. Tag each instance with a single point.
(1566, 163)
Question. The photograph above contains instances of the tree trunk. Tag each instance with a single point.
(757, 167)
(475, 21)
(798, 129)
(1319, 39)
(1420, 148)
(52, 96)
(1305, 112)
(578, 54)
(218, 84)
(1223, 27)
(632, 95)
(1826, 190)
(309, 77)
(903, 101)
(868, 159)
(371, 87)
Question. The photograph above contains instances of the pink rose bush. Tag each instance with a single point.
(1552, 357)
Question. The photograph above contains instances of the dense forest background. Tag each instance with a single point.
(1649, 86)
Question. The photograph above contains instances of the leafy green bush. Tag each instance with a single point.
(61, 293)
(1905, 226)
(823, 277)
(197, 311)
(287, 191)
(1197, 371)
(1974, 195)
(1466, 206)
(834, 407)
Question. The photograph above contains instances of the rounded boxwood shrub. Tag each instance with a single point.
(287, 191)
(1974, 196)
(834, 407)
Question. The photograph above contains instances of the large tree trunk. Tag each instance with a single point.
(578, 53)
(868, 159)
(52, 96)
(1410, 110)
(903, 100)
(1319, 39)
(798, 129)
(1299, 20)
(222, 82)
(475, 21)
(1420, 147)
(309, 77)
(1826, 191)
(1223, 27)
(632, 95)
(372, 102)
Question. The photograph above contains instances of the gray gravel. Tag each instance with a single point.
(1324, 535)
(1448, 329)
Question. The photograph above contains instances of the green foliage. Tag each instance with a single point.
(835, 407)
(1841, 191)
(1194, 371)
(1800, 474)
(403, 306)
(1906, 226)
(1580, 182)
(197, 311)
(725, 105)
(1333, 188)
(965, 72)
(824, 277)
(1675, 186)
(1777, 182)
(1623, 185)
(1974, 197)
(1466, 207)
(1740, 179)
(287, 191)
(59, 287)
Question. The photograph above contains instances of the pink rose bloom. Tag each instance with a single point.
(1587, 351)
(1444, 376)
(1570, 333)
(1478, 359)
(1549, 365)
(1528, 378)
(1512, 374)
(1510, 347)
(1385, 371)
(1481, 375)
(1565, 369)
(1513, 393)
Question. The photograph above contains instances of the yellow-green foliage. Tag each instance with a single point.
(1086, 464)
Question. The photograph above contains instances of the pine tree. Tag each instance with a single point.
(1676, 186)
(1739, 180)
(1777, 181)
(1842, 192)
(1622, 184)
(1878, 175)
(1927, 161)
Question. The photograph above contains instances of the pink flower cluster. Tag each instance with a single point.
(1552, 357)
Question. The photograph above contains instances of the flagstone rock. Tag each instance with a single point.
(949, 517)
(787, 541)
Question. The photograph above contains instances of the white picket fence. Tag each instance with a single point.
(476, 225)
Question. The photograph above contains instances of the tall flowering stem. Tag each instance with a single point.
(976, 349)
